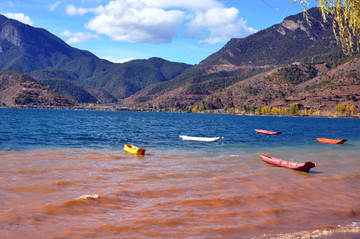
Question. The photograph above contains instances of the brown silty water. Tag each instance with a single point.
(174, 195)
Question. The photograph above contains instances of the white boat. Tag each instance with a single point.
(201, 139)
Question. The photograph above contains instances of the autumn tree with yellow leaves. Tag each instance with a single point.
(344, 109)
(346, 21)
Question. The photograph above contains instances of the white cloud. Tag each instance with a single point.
(221, 24)
(20, 17)
(53, 6)
(72, 10)
(78, 37)
(159, 21)
(133, 21)
(183, 4)
(66, 33)
(112, 59)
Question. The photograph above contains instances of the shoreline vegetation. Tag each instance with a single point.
(295, 110)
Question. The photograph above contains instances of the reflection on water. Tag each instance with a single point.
(213, 194)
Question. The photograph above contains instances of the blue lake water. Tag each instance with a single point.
(33, 129)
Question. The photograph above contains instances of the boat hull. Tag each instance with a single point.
(200, 139)
(134, 150)
(304, 167)
(331, 141)
(262, 131)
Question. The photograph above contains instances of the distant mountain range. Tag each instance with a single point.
(288, 62)
(76, 74)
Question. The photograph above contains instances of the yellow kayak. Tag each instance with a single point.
(133, 149)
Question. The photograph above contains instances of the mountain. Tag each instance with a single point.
(19, 89)
(291, 41)
(287, 42)
(78, 74)
(288, 63)
(316, 86)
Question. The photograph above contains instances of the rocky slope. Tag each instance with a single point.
(19, 89)
(275, 89)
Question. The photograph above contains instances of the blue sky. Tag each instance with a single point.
(177, 30)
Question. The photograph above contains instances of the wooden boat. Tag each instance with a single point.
(134, 150)
(331, 141)
(305, 167)
(262, 131)
(201, 139)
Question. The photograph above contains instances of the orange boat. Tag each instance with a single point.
(331, 141)
(262, 131)
(304, 167)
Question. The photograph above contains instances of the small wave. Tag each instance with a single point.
(29, 171)
(113, 170)
(91, 157)
(329, 232)
(85, 204)
(275, 197)
(213, 202)
(217, 179)
(88, 196)
(109, 156)
(347, 213)
(274, 211)
(355, 177)
(31, 188)
(63, 183)
(9, 216)
(94, 152)
(72, 207)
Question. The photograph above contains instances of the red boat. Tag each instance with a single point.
(305, 167)
(262, 131)
(331, 141)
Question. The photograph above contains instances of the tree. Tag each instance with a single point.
(347, 110)
(310, 112)
(286, 111)
(177, 105)
(265, 110)
(340, 109)
(259, 110)
(294, 109)
(275, 111)
(352, 110)
(252, 109)
(346, 21)
(201, 108)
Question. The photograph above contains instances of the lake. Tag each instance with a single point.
(178, 189)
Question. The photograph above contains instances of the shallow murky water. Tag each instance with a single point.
(172, 195)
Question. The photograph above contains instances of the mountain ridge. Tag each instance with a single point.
(209, 84)
(37, 52)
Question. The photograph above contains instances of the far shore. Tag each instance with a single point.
(100, 107)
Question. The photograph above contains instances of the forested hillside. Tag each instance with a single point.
(77, 74)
